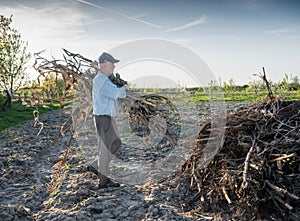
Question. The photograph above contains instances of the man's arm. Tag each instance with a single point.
(112, 91)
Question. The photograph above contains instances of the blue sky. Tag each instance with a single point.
(234, 38)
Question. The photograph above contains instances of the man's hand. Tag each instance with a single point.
(117, 80)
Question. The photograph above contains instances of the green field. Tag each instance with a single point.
(244, 96)
(19, 114)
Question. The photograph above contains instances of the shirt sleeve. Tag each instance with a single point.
(112, 91)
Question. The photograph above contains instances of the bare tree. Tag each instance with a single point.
(13, 59)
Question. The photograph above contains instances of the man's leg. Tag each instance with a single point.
(113, 139)
(106, 136)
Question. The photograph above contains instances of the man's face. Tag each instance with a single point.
(108, 67)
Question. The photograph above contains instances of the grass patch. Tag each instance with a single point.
(19, 114)
(243, 96)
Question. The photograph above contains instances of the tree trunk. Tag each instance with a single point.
(7, 102)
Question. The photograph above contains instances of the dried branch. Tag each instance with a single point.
(226, 195)
(268, 85)
(247, 162)
(281, 190)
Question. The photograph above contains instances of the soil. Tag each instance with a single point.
(43, 179)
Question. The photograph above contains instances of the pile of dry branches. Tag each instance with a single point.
(256, 174)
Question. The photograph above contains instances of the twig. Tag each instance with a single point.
(135, 98)
(281, 190)
(254, 166)
(226, 195)
(194, 198)
(288, 206)
(284, 157)
(37, 123)
(264, 78)
(205, 217)
(246, 166)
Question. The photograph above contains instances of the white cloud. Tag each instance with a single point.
(285, 32)
(47, 22)
(50, 25)
(198, 21)
(281, 31)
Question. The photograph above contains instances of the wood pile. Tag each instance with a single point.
(256, 173)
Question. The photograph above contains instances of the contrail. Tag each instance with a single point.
(118, 13)
(196, 22)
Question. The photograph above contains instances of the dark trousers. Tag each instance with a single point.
(108, 142)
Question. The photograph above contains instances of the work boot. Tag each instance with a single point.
(92, 169)
(105, 182)
(110, 183)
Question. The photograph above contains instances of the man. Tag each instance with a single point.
(105, 96)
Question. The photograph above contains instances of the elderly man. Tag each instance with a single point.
(105, 96)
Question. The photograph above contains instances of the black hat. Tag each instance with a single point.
(104, 57)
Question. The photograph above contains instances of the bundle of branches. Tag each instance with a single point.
(146, 107)
(256, 174)
(78, 73)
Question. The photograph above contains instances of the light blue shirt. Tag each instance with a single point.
(105, 96)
